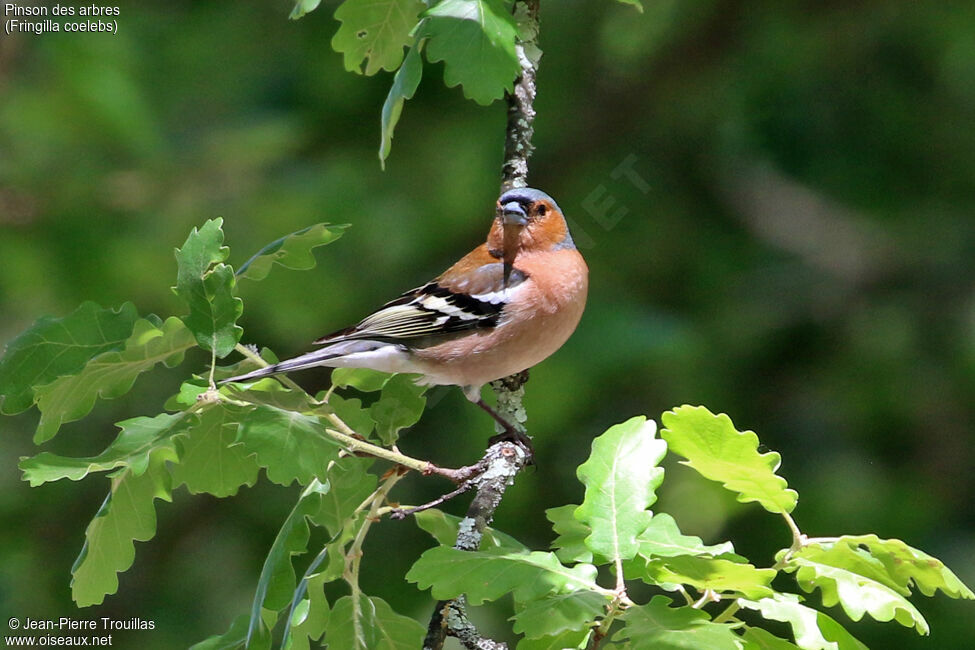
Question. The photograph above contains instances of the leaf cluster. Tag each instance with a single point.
(208, 440)
(475, 40)
(214, 439)
(561, 602)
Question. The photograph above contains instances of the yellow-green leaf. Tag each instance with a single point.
(621, 476)
(711, 573)
(719, 452)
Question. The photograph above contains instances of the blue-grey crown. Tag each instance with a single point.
(527, 195)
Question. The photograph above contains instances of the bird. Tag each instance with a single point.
(504, 307)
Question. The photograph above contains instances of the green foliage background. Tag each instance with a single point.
(803, 260)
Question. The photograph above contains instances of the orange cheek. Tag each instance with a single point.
(545, 233)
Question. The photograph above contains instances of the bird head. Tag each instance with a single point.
(527, 220)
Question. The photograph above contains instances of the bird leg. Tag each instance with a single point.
(510, 434)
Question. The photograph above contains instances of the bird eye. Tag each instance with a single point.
(541, 210)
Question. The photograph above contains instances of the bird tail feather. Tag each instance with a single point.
(333, 356)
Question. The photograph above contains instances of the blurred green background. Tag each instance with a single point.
(793, 244)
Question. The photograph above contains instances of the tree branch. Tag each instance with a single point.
(514, 171)
(455, 614)
(504, 459)
(521, 110)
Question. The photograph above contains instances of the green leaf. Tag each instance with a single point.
(310, 616)
(656, 626)
(292, 251)
(209, 459)
(756, 638)
(372, 625)
(130, 449)
(400, 406)
(52, 347)
(202, 249)
(351, 412)
(856, 593)
(213, 315)
(845, 555)
(711, 573)
(277, 581)
(558, 613)
(374, 33)
(268, 391)
(636, 4)
(811, 629)
(244, 365)
(405, 83)
(904, 565)
(232, 639)
(476, 41)
(362, 379)
(662, 538)
(349, 485)
(570, 545)
(719, 452)
(127, 515)
(207, 287)
(443, 527)
(569, 640)
(621, 476)
(290, 446)
(303, 7)
(110, 374)
(483, 575)
(189, 392)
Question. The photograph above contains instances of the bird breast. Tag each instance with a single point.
(539, 318)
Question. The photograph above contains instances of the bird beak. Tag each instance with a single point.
(513, 219)
(513, 214)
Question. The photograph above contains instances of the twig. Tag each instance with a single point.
(614, 609)
(344, 434)
(521, 110)
(728, 614)
(709, 596)
(403, 513)
(504, 461)
(620, 582)
(798, 539)
(213, 366)
(353, 557)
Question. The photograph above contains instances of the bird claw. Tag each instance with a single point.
(511, 433)
(520, 438)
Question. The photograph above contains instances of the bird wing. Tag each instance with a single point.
(448, 305)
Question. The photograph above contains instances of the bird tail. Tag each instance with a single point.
(343, 353)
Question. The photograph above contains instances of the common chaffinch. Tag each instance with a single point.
(501, 309)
